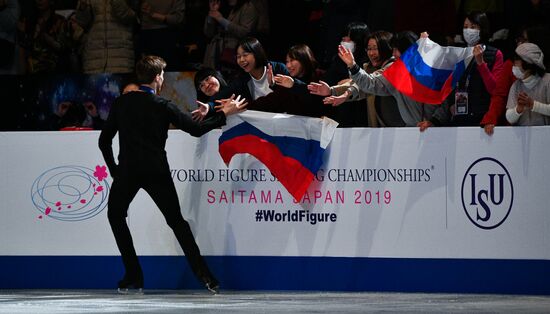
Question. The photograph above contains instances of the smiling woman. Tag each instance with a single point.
(301, 63)
(208, 84)
(275, 87)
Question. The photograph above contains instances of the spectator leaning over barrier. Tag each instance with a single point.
(412, 112)
(210, 86)
(255, 82)
(290, 94)
(350, 113)
(379, 52)
(470, 100)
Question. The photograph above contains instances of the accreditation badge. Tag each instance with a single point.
(461, 103)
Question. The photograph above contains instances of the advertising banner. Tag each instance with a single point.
(444, 193)
(446, 210)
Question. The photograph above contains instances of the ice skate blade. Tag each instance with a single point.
(130, 291)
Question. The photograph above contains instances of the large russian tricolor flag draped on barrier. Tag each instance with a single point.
(291, 147)
(427, 72)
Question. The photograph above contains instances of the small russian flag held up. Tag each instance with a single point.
(291, 147)
(427, 72)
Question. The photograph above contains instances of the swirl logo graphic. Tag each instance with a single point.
(70, 193)
(487, 193)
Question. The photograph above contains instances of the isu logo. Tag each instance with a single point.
(487, 193)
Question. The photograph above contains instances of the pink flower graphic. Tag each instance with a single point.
(73, 199)
(100, 172)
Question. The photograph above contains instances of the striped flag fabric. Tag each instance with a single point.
(428, 72)
(291, 147)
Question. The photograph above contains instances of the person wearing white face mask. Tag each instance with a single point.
(472, 96)
(471, 36)
(350, 45)
(379, 52)
(529, 97)
(354, 38)
(411, 112)
(497, 110)
(476, 34)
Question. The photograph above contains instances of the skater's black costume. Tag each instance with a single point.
(142, 119)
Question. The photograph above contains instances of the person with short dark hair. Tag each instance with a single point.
(290, 94)
(142, 120)
(379, 52)
(208, 83)
(255, 82)
(478, 82)
(210, 86)
(401, 41)
(412, 112)
(354, 38)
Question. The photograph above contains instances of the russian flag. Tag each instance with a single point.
(291, 147)
(427, 72)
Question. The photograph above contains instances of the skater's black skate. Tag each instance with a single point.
(211, 284)
(131, 285)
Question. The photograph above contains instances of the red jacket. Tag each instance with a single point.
(497, 109)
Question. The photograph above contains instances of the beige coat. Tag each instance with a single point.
(109, 44)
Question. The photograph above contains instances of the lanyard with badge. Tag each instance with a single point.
(461, 94)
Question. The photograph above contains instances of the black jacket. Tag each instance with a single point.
(142, 120)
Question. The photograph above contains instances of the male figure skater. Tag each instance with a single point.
(142, 119)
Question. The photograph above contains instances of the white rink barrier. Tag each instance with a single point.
(393, 209)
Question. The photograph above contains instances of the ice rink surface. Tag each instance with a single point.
(190, 301)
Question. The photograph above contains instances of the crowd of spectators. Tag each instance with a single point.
(60, 37)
